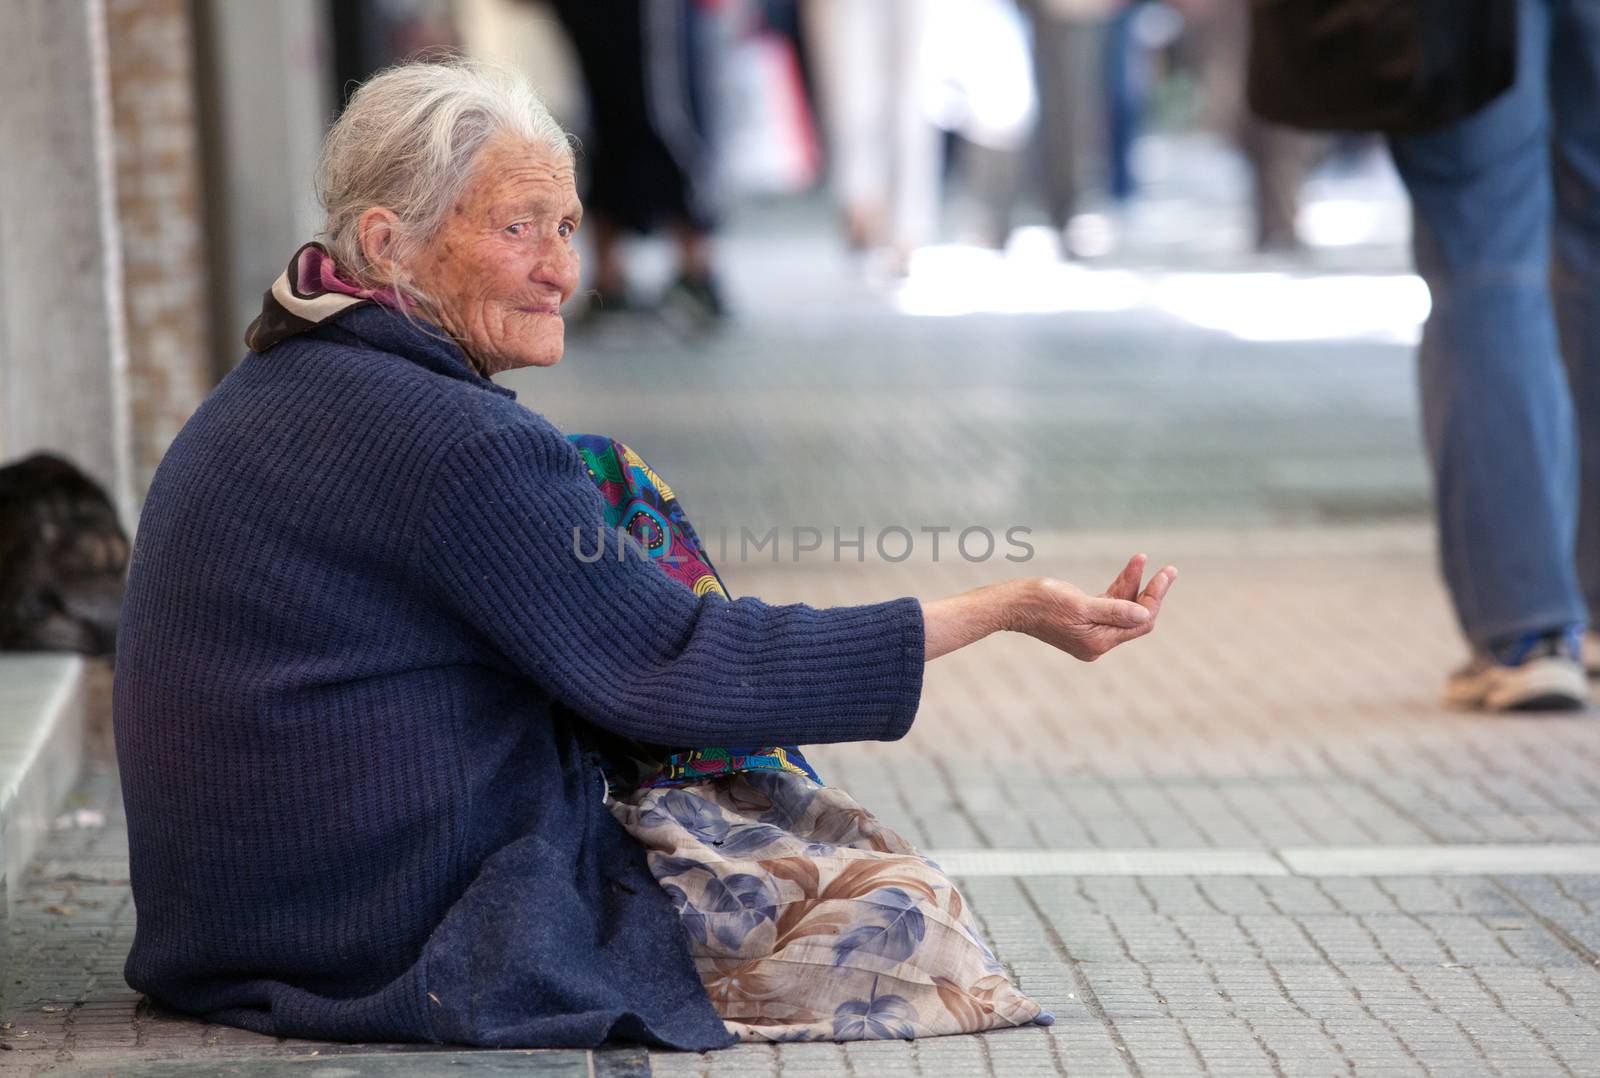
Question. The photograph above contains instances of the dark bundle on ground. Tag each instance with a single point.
(63, 558)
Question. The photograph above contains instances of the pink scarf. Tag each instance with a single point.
(311, 291)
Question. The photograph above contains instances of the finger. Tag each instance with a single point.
(1118, 613)
(1119, 586)
(1126, 585)
(1156, 591)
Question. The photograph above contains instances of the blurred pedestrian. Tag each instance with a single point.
(1126, 76)
(981, 77)
(648, 69)
(1507, 205)
(1507, 235)
(883, 151)
(1277, 156)
(1069, 52)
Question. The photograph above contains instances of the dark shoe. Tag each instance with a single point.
(697, 297)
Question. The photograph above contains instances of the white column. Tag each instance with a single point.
(62, 356)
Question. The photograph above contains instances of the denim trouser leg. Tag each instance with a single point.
(1575, 279)
(1496, 407)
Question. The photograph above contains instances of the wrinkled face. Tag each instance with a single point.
(503, 262)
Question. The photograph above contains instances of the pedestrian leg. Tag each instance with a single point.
(1575, 278)
(1495, 401)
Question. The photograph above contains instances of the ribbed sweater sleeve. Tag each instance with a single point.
(628, 647)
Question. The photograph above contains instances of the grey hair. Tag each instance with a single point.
(407, 142)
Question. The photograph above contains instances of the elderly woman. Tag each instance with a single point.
(402, 762)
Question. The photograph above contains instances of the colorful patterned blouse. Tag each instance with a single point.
(639, 502)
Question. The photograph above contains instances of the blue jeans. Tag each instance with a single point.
(1507, 236)
(1125, 77)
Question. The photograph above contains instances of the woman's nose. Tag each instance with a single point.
(559, 268)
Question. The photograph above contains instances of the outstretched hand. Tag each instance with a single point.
(1087, 626)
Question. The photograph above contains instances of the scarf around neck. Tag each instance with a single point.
(312, 290)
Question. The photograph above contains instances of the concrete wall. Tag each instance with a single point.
(62, 351)
(266, 98)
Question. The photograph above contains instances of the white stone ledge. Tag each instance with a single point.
(42, 720)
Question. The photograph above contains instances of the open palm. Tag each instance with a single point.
(1087, 626)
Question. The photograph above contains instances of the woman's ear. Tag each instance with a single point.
(379, 232)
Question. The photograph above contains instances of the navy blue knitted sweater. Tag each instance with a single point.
(359, 678)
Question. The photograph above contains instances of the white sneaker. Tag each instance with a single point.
(1547, 676)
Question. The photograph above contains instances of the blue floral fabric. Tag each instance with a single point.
(808, 919)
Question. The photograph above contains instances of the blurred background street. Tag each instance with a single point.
(1255, 843)
(1155, 386)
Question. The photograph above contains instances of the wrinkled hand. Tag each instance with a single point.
(1087, 626)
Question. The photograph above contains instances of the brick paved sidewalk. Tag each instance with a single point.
(1286, 704)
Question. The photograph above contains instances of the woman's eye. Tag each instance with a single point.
(567, 229)
(516, 229)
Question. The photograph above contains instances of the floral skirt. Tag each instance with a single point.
(809, 920)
